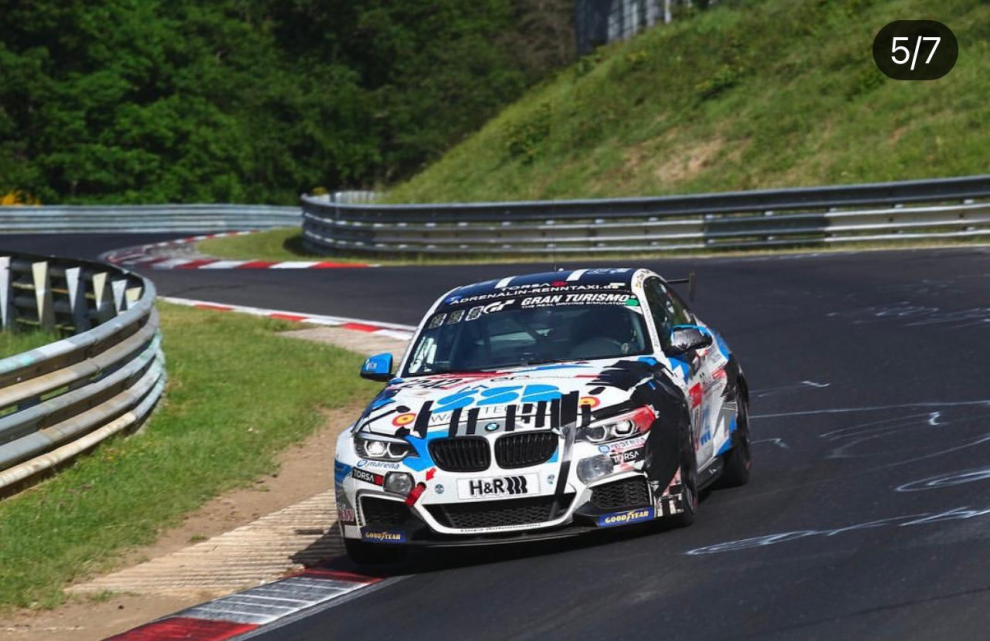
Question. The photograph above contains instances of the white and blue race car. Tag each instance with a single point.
(541, 406)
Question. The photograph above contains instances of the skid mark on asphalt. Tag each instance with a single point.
(876, 408)
(779, 442)
(896, 427)
(913, 315)
(951, 479)
(953, 423)
(909, 520)
(788, 389)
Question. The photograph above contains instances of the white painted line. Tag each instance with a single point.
(224, 264)
(173, 262)
(297, 264)
(321, 607)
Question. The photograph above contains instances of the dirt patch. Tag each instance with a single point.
(670, 161)
(684, 163)
(896, 134)
(305, 470)
(360, 342)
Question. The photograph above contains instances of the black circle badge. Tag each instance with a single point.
(915, 50)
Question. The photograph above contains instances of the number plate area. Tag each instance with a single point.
(498, 487)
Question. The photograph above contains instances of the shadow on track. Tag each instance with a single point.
(426, 560)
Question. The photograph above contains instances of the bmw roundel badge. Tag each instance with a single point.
(491, 427)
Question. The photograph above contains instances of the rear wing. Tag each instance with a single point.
(691, 281)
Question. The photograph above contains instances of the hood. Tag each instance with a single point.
(538, 397)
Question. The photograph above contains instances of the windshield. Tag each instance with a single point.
(507, 334)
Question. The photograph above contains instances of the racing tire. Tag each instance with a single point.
(739, 460)
(689, 479)
(373, 554)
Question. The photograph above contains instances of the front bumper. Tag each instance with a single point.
(442, 516)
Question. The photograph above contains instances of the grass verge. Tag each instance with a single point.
(279, 244)
(12, 343)
(276, 244)
(238, 394)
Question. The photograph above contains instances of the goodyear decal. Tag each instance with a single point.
(625, 518)
(382, 536)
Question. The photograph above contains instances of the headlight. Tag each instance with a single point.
(594, 467)
(619, 427)
(379, 448)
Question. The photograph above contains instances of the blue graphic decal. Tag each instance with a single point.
(706, 436)
(649, 360)
(537, 393)
(422, 460)
(728, 442)
(454, 401)
(722, 345)
(497, 396)
(340, 471)
(625, 518)
(681, 366)
(380, 402)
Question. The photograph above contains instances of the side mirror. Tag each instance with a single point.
(685, 338)
(377, 368)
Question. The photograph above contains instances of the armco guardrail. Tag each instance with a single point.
(145, 218)
(945, 208)
(61, 399)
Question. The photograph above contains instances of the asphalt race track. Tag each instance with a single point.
(868, 515)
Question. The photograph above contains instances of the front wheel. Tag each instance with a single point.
(739, 459)
(373, 554)
(689, 483)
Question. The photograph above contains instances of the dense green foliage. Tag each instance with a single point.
(750, 94)
(252, 100)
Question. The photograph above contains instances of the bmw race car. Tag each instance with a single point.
(541, 406)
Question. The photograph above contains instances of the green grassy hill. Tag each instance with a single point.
(750, 94)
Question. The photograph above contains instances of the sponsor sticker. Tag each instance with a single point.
(556, 300)
(346, 515)
(556, 287)
(628, 456)
(382, 536)
(368, 477)
(630, 450)
(625, 518)
(622, 446)
(378, 465)
(437, 321)
(498, 487)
